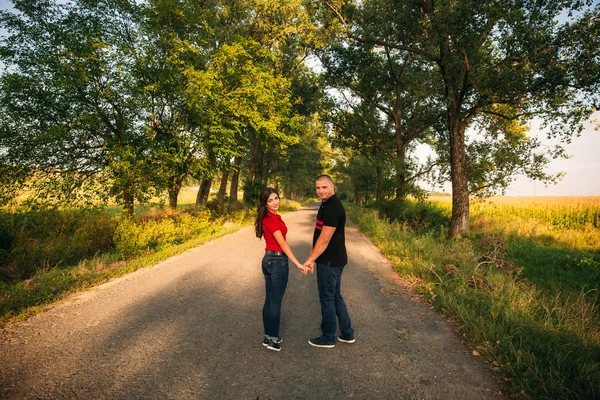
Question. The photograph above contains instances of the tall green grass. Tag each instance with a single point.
(559, 212)
(566, 222)
(544, 339)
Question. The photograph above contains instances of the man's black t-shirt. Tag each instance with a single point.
(332, 213)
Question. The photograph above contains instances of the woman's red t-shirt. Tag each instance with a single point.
(272, 223)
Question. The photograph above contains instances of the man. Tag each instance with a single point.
(329, 254)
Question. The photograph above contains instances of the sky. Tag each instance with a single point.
(582, 169)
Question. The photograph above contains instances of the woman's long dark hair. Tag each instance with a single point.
(262, 209)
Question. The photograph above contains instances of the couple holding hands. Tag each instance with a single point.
(328, 254)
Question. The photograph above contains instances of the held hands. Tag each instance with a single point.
(307, 268)
(310, 266)
(302, 268)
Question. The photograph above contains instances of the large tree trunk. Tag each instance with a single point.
(203, 192)
(223, 187)
(254, 154)
(400, 170)
(454, 79)
(459, 224)
(235, 179)
(253, 171)
(127, 200)
(173, 195)
(400, 143)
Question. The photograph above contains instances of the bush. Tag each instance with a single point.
(418, 215)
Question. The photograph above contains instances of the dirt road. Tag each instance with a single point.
(191, 328)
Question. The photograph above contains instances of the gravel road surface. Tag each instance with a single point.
(191, 328)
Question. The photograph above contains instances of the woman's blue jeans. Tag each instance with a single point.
(329, 281)
(275, 270)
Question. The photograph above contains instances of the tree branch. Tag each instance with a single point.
(422, 172)
(375, 41)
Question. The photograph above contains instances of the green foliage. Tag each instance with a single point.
(171, 92)
(365, 177)
(369, 177)
(491, 65)
(69, 101)
(304, 161)
(387, 107)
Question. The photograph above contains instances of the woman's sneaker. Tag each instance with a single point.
(274, 345)
(266, 341)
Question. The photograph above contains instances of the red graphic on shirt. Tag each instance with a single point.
(319, 225)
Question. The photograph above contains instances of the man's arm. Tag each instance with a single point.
(322, 243)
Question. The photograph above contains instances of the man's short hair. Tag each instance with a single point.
(326, 177)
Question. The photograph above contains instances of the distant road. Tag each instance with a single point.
(191, 328)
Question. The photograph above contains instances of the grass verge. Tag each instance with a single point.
(543, 338)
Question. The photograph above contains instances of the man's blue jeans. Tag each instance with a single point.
(275, 270)
(329, 281)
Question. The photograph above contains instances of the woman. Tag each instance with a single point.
(274, 264)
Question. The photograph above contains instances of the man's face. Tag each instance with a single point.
(324, 189)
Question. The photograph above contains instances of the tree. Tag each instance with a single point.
(246, 99)
(170, 90)
(358, 131)
(71, 124)
(380, 83)
(493, 54)
(304, 161)
(301, 163)
(367, 178)
(176, 139)
(504, 53)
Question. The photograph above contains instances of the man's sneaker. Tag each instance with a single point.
(274, 345)
(266, 341)
(320, 342)
(346, 339)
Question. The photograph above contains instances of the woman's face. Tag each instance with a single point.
(273, 202)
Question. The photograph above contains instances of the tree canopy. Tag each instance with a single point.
(497, 65)
(124, 99)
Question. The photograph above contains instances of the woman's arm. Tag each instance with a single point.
(288, 250)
